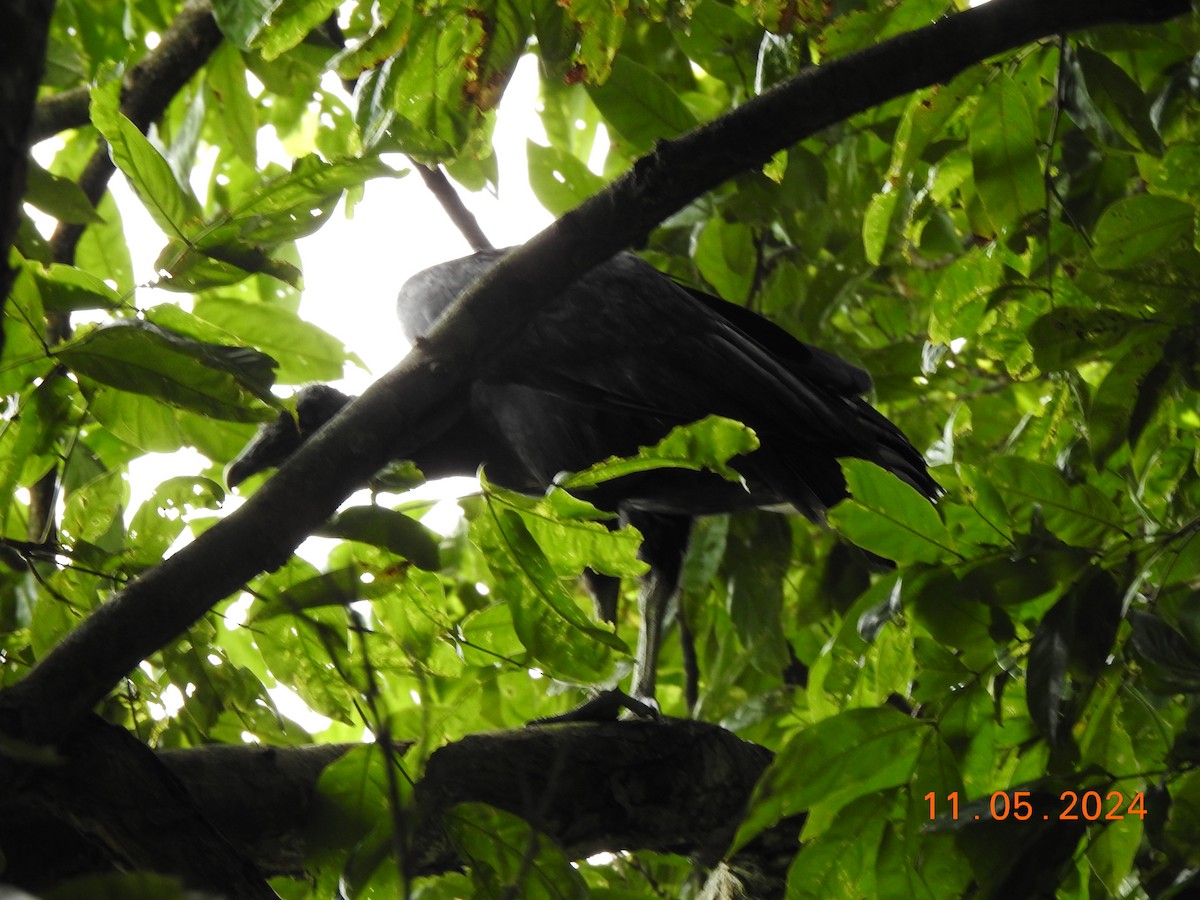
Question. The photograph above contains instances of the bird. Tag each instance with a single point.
(612, 364)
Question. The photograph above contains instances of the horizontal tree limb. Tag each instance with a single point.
(222, 818)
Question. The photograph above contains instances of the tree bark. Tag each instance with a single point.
(222, 818)
(22, 61)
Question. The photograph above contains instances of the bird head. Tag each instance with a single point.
(276, 441)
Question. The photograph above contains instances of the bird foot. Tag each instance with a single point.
(604, 707)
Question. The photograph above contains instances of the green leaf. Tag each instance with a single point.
(389, 34)
(420, 102)
(559, 180)
(339, 587)
(1111, 853)
(142, 421)
(489, 634)
(1119, 98)
(93, 509)
(924, 118)
(24, 440)
(572, 543)
(601, 25)
(1115, 401)
(758, 550)
(835, 761)
(927, 113)
(59, 197)
(548, 620)
(184, 268)
(295, 204)
(210, 379)
(544, 579)
(841, 861)
(720, 40)
(243, 238)
(726, 256)
(103, 250)
(1008, 582)
(877, 223)
(640, 106)
(241, 20)
(289, 23)
(173, 207)
(352, 798)
(890, 518)
(1004, 155)
(1078, 514)
(707, 444)
(1068, 335)
(388, 529)
(310, 652)
(508, 858)
(225, 76)
(1160, 644)
(160, 518)
(504, 41)
(1178, 174)
(962, 295)
(940, 605)
(415, 616)
(304, 351)
(66, 289)
(1136, 228)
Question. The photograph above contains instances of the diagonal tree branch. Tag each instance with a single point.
(443, 191)
(109, 800)
(261, 535)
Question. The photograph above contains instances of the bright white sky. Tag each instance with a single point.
(354, 267)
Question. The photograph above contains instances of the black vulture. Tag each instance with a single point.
(613, 364)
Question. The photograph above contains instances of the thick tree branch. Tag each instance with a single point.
(108, 804)
(669, 785)
(681, 788)
(155, 609)
(22, 59)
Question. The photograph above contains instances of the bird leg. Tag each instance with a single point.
(691, 668)
(654, 602)
(664, 543)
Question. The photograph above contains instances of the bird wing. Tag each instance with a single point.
(625, 353)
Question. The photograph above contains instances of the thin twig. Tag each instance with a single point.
(464, 220)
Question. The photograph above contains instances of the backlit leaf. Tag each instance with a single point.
(1008, 173)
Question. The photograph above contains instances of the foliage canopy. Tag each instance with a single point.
(1012, 255)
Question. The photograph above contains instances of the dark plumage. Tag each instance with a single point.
(616, 361)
